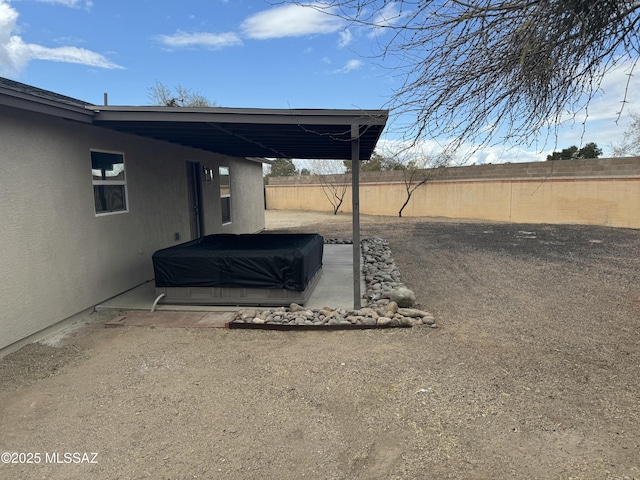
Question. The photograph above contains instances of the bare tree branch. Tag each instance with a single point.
(485, 71)
(334, 185)
(630, 145)
(162, 95)
(417, 168)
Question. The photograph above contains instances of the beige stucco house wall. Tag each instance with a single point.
(57, 257)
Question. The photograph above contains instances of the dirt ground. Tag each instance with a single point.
(533, 372)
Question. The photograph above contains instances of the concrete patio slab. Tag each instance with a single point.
(335, 289)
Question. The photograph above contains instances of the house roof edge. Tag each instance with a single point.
(25, 97)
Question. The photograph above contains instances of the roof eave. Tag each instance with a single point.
(24, 101)
(240, 115)
(323, 134)
(258, 159)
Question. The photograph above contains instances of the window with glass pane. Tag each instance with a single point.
(109, 182)
(225, 194)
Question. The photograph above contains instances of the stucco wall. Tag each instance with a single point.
(58, 258)
(247, 196)
(597, 192)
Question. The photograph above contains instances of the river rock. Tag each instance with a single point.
(428, 320)
(294, 307)
(406, 322)
(247, 314)
(389, 301)
(391, 307)
(403, 297)
(383, 321)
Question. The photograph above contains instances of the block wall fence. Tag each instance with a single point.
(592, 192)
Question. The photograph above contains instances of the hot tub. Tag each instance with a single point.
(258, 269)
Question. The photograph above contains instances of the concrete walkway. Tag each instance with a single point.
(335, 288)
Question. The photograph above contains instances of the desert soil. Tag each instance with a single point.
(533, 372)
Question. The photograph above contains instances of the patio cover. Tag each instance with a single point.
(250, 132)
(304, 134)
(240, 132)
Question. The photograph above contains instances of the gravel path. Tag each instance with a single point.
(532, 373)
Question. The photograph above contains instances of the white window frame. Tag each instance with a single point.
(227, 195)
(122, 183)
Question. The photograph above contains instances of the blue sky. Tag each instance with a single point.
(237, 53)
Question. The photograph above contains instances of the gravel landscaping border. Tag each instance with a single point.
(389, 302)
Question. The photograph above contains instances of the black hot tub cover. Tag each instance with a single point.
(286, 261)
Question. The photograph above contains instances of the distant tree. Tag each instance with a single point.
(282, 167)
(377, 163)
(564, 154)
(390, 164)
(630, 145)
(163, 96)
(374, 164)
(417, 172)
(334, 183)
(305, 171)
(590, 150)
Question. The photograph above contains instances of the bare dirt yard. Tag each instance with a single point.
(533, 372)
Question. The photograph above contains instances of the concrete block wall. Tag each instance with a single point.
(593, 191)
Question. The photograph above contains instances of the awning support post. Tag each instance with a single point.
(355, 204)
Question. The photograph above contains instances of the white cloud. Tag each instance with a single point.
(10, 58)
(70, 3)
(68, 40)
(70, 55)
(15, 54)
(397, 148)
(613, 87)
(292, 21)
(388, 16)
(208, 40)
(598, 122)
(467, 154)
(279, 22)
(349, 66)
(498, 154)
(352, 65)
(345, 38)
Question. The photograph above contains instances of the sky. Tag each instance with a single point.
(237, 53)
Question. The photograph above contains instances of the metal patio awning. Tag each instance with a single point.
(304, 134)
(239, 132)
(247, 132)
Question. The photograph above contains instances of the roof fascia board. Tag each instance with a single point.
(23, 101)
(258, 159)
(246, 116)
